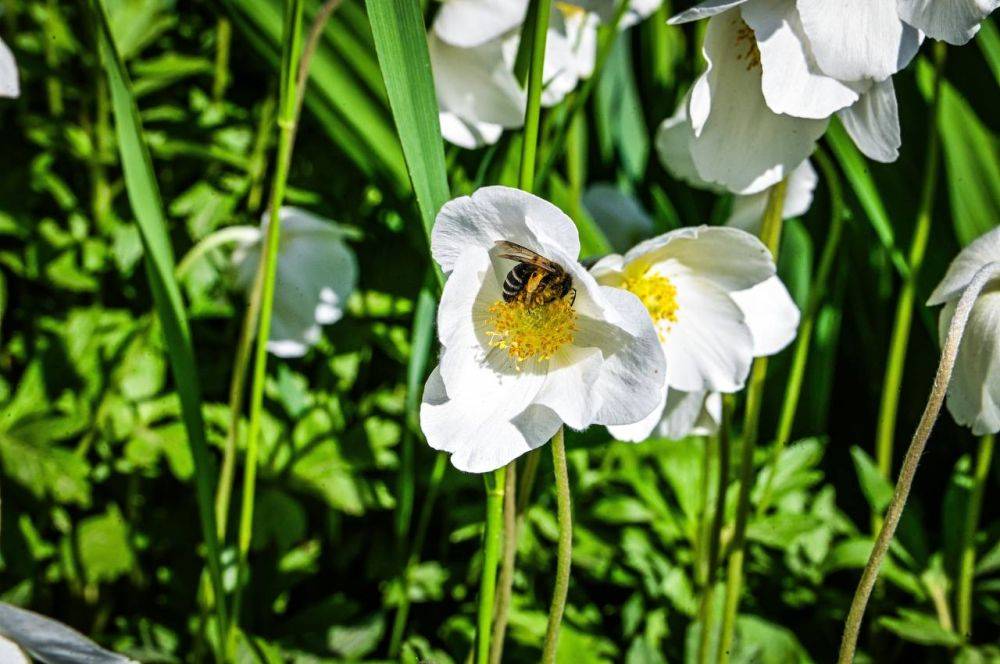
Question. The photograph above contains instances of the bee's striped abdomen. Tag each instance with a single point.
(516, 279)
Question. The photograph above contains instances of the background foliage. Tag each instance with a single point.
(99, 511)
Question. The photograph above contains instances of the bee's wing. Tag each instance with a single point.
(516, 252)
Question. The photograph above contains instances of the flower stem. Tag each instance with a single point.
(770, 235)
(968, 565)
(492, 539)
(715, 535)
(268, 270)
(889, 407)
(564, 556)
(894, 512)
(535, 83)
(802, 343)
(511, 532)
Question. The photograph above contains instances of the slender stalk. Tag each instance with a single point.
(968, 565)
(535, 83)
(704, 515)
(223, 40)
(268, 268)
(803, 342)
(770, 235)
(564, 556)
(894, 512)
(492, 540)
(511, 532)
(53, 84)
(706, 609)
(889, 407)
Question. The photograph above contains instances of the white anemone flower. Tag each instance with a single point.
(716, 302)
(778, 70)
(512, 372)
(10, 85)
(317, 272)
(955, 22)
(974, 390)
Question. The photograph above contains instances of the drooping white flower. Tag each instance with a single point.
(974, 391)
(716, 303)
(10, 85)
(512, 372)
(955, 22)
(317, 272)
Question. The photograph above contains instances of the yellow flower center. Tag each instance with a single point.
(746, 46)
(569, 10)
(658, 294)
(533, 331)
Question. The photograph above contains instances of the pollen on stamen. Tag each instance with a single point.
(569, 10)
(746, 40)
(534, 331)
(658, 294)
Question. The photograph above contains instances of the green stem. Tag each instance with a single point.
(802, 343)
(511, 532)
(891, 386)
(268, 268)
(535, 83)
(223, 40)
(968, 565)
(907, 472)
(564, 555)
(53, 83)
(492, 539)
(770, 235)
(707, 605)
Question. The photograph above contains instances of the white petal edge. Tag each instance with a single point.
(705, 9)
(468, 135)
(873, 122)
(771, 314)
(748, 211)
(974, 390)
(984, 249)
(955, 22)
(10, 84)
(468, 23)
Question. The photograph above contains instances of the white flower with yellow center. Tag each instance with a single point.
(974, 391)
(10, 85)
(473, 47)
(317, 272)
(716, 303)
(518, 363)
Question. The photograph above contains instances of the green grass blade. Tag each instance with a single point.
(989, 44)
(401, 45)
(144, 197)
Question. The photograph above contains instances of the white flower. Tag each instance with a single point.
(716, 303)
(974, 391)
(316, 274)
(778, 70)
(10, 85)
(511, 373)
(955, 22)
(11, 653)
(473, 45)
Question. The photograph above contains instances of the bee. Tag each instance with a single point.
(535, 279)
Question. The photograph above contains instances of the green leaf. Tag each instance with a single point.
(761, 642)
(876, 489)
(103, 543)
(620, 122)
(989, 43)
(920, 627)
(45, 469)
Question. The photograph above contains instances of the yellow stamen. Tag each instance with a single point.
(568, 9)
(533, 331)
(658, 294)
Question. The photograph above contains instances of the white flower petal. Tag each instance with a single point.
(643, 429)
(682, 414)
(792, 82)
(855, 40)
(11, 654)
(468, 23)
(955, 21)
(673, 145)
(748, 211)
(873, 122)
(501, 213)
(48, 640)
(476, 84)
(705, 9)
(974, 391)
(468, 135)
(709, 347)
(729, 258)
(984, 249)
(739, 142)
(771, 314)
(568, 387)
(10, 85)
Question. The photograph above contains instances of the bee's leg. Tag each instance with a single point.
(534, 281)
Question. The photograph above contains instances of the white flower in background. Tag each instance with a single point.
(716, 303)
(974, 391)
(46, 640)
(955, 22)
(10, 85)
(514, 369)
(317, 272)
(673, 145)
(473, 46)
(778, 70)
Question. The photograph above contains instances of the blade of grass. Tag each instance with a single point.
(144, 198)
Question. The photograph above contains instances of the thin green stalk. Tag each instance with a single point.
(532, 115)
(492, 540)
(223, 41)
(797, 372)
(908, 471)
(53, 83)
(968, 565)
(564, 552)
(268, 267)
(704, 516)
(508, 561)
(609, 33)
(770, 235)
(891, 386)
